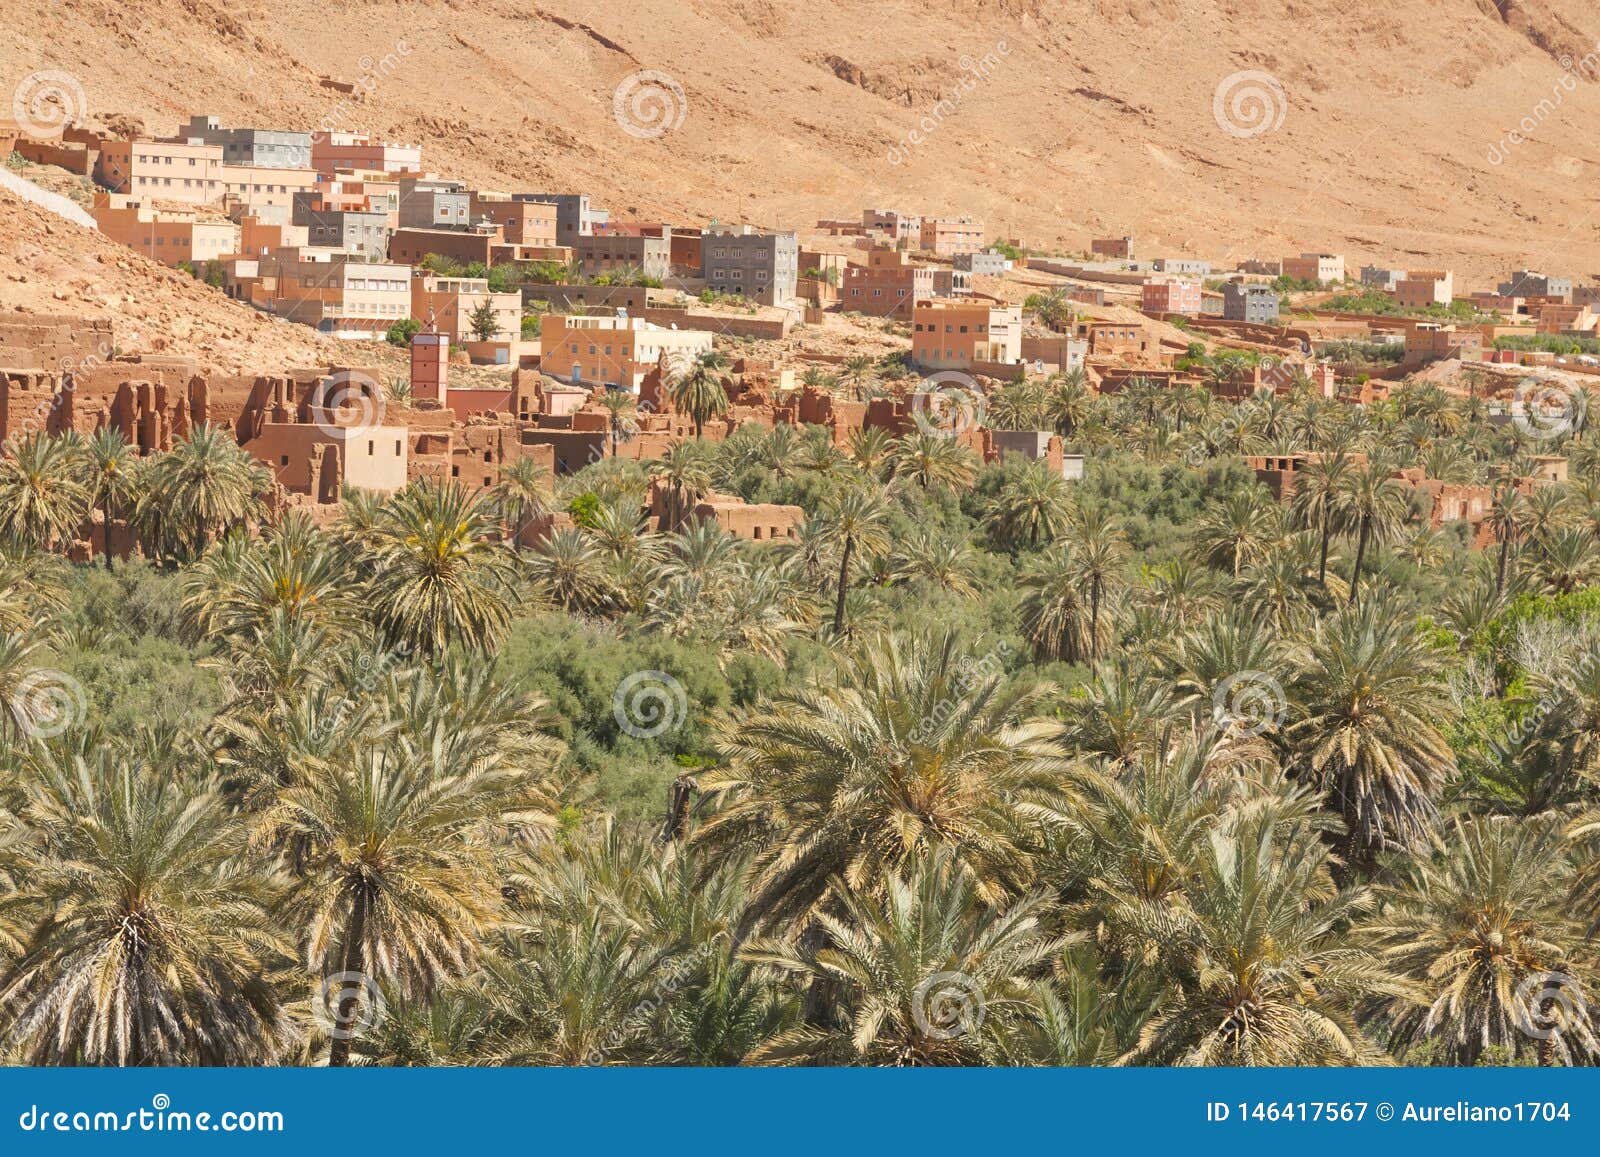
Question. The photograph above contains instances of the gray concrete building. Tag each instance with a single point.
(1530, 283)
(364, 233)
(1375, 277)
(1188, 266)
(985, 261)
(264, 148)
(1255, 304)
(426, 203)
(615, 252)
(759, 264)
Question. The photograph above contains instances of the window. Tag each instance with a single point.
(283, 460)
(372, 449)
(397, 447)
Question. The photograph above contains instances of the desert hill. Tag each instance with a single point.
(1373, 130)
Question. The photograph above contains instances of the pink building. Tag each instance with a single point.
(1171, 295)
(333, 151)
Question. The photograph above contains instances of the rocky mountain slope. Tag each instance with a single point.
(1417, 130)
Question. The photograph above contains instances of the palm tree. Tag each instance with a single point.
(1486, 934)
(928, 975)
(1505, 519)
(1261, 970)
(698, 392)
(944, 561)
(1054, 611)
(1366, 714)
(1033, 503)
(1373, 506)
(236, 588)
(1315, 502)
(152, 946)
(1239, 530)
(110, 464)
(1100, 555)
(931, 461)
(685, 474)
(571, 572)
(617, 405)
(202, 485)
(859, 371)
(523, 493)
(851, 777)
(1566, 559)
(43, 500)
(857, 521)
(1067, 402)
(870, 449)
(399, 886)
(439, 573)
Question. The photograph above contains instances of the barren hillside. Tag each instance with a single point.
(1376, 130)
(49, 266)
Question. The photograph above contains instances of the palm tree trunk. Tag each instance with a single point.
(1505, 554)
(106, 512)
(1094, 622)
(1322, 562)
(844, 581)
(820, 997)
(354, 966)
(1361, 554)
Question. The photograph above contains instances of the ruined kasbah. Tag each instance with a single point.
(515, 315)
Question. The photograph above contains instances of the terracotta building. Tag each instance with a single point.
(1320, 267)
(338, 293)
(333, 151)
(1116, 248)
(164, 170)
(170, 236)
(957, 335)
(1421, 288)
(1171, 295)
(613, 351)
(888, 285)
(446, 304)
(948, 236)
(521, 222)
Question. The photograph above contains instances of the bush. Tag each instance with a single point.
(401, 332)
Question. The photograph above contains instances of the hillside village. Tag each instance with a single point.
(731, 534)
(486, 328)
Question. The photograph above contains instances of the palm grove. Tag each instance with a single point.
(981, 767)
